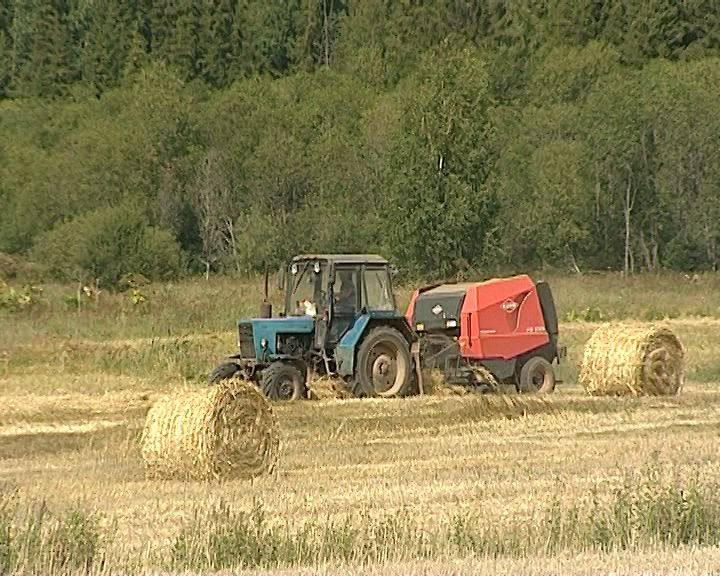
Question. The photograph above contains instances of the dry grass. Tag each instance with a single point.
(688, 561)
(431, 458)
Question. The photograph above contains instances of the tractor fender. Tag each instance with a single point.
(345, 349)
(400, 324)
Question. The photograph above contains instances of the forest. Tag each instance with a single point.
(457, 137)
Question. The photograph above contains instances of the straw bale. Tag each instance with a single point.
(622, 360)
(225, 431)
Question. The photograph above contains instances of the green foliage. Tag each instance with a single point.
(106, 244)
(17, 300)
(457, 138)
(106, 44)
(589, 314)
(567, 73)
(436, 196)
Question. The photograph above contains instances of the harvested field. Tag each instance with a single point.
(445, 484)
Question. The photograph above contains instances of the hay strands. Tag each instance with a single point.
(226, 431)
(621, 360)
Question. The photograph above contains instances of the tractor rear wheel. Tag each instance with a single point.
(384, 365)
(283, 381)
(536, 375)
(225, 371)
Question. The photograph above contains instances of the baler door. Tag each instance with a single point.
(547, 303)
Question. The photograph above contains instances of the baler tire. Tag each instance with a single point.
(394, 343)
(283, 381)
(536, 376)
(224, 371)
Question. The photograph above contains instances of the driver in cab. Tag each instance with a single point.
(346, 295)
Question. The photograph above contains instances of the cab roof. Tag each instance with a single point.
(343, 258)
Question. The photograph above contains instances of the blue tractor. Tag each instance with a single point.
(340, 319)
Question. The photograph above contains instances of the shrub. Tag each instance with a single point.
(14, 300)
(106, 244)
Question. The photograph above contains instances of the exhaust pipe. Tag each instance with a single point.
(265, 306)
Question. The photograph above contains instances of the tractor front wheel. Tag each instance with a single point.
(283, 381)
(225, 371)
(384, 365)
(536, 375)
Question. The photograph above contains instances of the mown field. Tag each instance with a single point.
(440, 484)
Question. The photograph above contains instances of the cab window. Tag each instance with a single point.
(377, 294)
(346, 290)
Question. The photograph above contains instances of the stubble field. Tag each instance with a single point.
(438, 484)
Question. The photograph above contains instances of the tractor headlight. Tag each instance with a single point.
(419, 326)
(264, 343)
(451, 324)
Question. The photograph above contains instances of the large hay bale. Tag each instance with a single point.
(221, 432)
(621, 360)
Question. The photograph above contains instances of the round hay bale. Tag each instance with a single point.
(621, 360)
(221, 432)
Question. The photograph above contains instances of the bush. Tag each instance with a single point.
(106, 244)
(23, 299)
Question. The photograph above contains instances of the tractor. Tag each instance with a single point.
(340, 319)
(498, 333)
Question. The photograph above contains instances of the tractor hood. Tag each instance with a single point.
(252, 332)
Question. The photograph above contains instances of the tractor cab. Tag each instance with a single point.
(332, 303)
(334, 290)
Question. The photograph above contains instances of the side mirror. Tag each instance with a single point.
(281, 279)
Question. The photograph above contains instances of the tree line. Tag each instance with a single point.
(455, 136)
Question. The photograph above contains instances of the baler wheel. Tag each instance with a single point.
(536, 376)
(384, 365)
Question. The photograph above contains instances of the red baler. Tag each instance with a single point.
(508, 326)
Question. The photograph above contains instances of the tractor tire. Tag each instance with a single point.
(359, 389)
(384, 365)
(283, 381)
(536, 376)
(225, 371)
